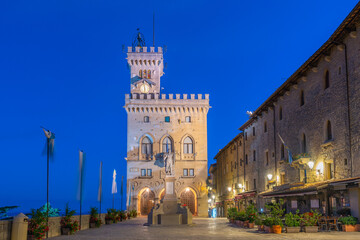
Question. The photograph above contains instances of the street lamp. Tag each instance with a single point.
(240, 185)
(269, 176)
(229, 189)
(213, 196)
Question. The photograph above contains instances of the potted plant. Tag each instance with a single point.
(259, 221)
(110, 216)
(310, 220)
(95, 221)
(292, 222)
(231, 214)
(133, 213)
(240, 218)
(251, 215)
(268, 222)
(37, 227)
(67, 225)
(276, 213)
(349, 223)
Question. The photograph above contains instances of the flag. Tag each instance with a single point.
(82, 157)
(287, 148)
(114, 186)
(50, 142)
(100, 183)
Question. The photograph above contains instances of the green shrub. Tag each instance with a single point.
(350, 220)
(231, 213)
(276, 212)
(241, 216)
(292, 220)
(310, 218)
(94, 216)
(251, 212)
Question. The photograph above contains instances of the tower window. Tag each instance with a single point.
(144, 74)
(254, 183)
(149, 172)
(167, 119)
(267, 158)
(191, 172)
(327, 80)
(254, 155)
(246, 159)
(253, 129)
(188, 145)
(303, 144)
(146, 146)
(280, 113)
(149, 74)
(282, 151)
(245, 136)
(146, 119)
(140, 73)
(187, 119)
(185, 172)
(328, 131)
(302, 98)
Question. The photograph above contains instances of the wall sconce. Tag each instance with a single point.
(213, 196)
(209, 200)
(240, 185)
(229, 189)
(269, 176)
(311, 164)
(187, 189)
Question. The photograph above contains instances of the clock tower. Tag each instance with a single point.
(146, 66)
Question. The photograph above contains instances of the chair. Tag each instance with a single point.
(323, 224)
(333, 224)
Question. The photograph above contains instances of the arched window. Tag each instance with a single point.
(146, 146)
(167, 145)
(326, 80)
(280, 113)
(302, 98)
(303, 144)
(146, 119)
(328, 131)
(188, 145)
(282, 151)
(140, 73)
(149, 74)
(144, 74)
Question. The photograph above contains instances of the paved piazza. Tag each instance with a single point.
(203, 228)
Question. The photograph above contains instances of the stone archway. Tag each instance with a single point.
(188, 198)
(146, 201)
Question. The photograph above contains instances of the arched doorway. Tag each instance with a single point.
(187, 197)
(147, 200)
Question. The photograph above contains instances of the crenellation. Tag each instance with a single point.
(192, 96)
(185, 96)
(171, 96)
(177, 96)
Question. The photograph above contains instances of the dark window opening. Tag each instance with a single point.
(326, 80)
(302, 98)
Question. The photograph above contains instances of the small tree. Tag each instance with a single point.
(94, 217)
(276, 212)
(66, 221)
(292, 220)
(37, 224)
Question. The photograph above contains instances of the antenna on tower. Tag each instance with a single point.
(154, 29)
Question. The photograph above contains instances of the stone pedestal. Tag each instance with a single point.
(169, 211)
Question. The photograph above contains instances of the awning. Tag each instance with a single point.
(290, 194)
(245, 195)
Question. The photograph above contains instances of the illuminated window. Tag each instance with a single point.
(167, 145)
(149, 172)
(146, 146)
(140, 73)
(188, 145)
(146, 119)
(185, 172)
(144, 74)
(191, 172)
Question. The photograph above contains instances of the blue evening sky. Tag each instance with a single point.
(62, 66)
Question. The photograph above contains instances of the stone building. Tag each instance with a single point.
(163, 123)
(302, 144)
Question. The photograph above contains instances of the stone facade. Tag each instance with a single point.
(307, 132)
(159, 123)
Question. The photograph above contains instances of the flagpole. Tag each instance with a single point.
(47, 183)
(100, 187)
(122, 183)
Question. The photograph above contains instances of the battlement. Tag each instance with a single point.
(144, 50)
(157, 96)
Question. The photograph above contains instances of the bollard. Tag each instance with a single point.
(19, 227)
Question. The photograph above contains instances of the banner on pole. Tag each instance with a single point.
(114, 186)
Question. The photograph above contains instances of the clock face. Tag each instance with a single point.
(144, 88)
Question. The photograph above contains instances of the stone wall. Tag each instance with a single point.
(54, 226)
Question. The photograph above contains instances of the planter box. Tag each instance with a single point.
(251, 225)
(311, 229)
(237, 222)
(31, 237)
(267, 229)
(65, 231)
(108, 221)
(357, 227)
(276, 229)
(292, 229)
(349, 228)
(92, 225)
(246, 224)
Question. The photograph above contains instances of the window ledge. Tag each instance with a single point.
(188, 176)
(145, 177)
(328, 142)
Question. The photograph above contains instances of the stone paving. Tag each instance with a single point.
(203, 228)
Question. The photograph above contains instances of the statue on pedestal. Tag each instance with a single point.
(169, 164)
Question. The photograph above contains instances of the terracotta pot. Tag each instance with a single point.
(65, 231)
(348, 228)
(311, 229)
(251, 225)
(246, 224)
(292, 229)
(241, 224)
(276, 229)
(267, 229)
(357, 227)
